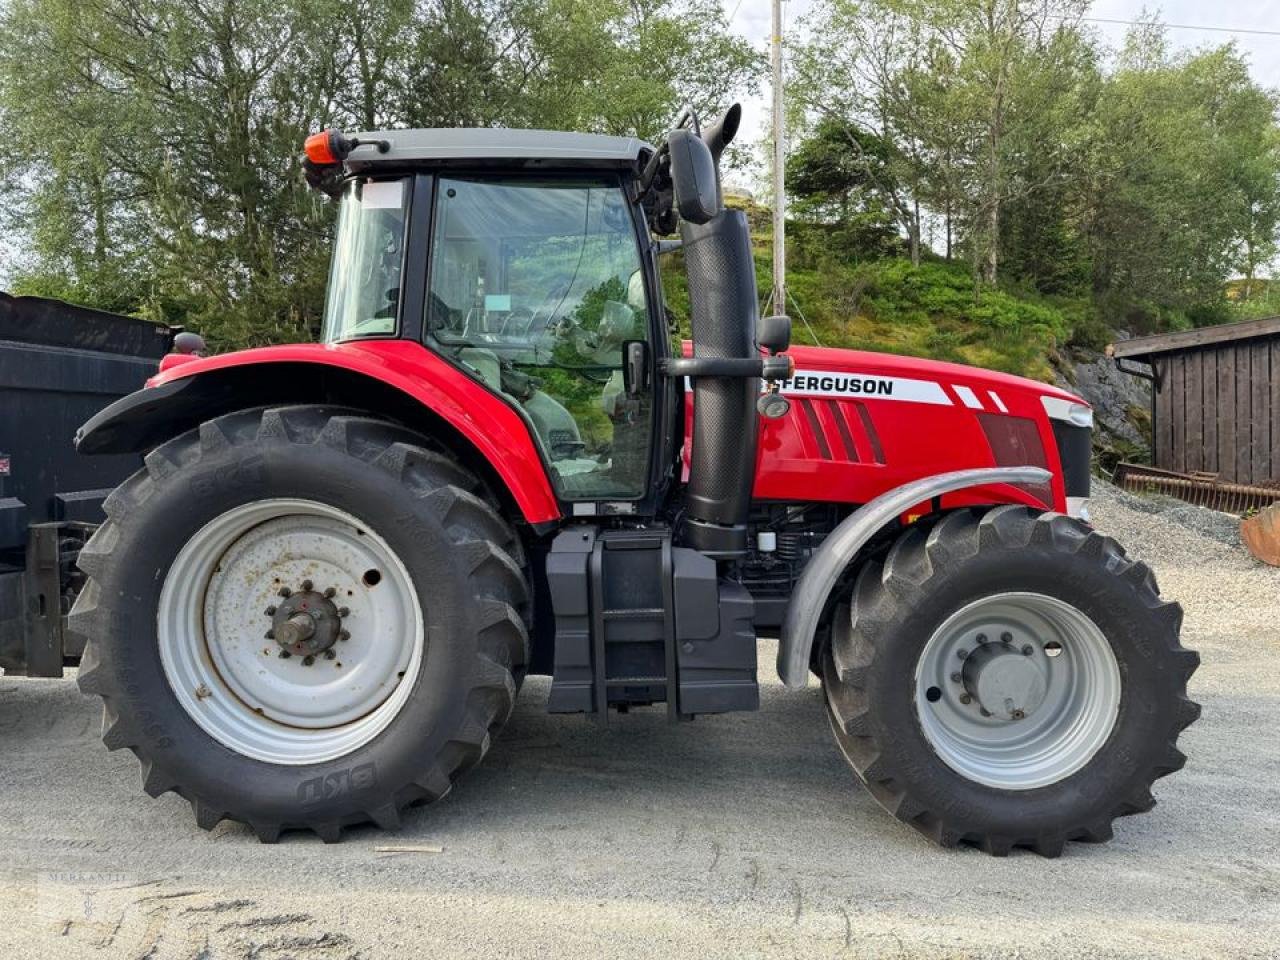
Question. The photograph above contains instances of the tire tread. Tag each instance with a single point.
(878, 601)
(473, 525)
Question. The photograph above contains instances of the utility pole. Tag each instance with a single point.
(779, 157)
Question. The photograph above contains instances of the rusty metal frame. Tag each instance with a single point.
(1200, 488)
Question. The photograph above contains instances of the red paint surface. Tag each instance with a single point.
(907, 440)
(916, 439)
(494, 428)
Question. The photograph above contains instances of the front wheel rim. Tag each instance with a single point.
(1017, 690)
(289, 631)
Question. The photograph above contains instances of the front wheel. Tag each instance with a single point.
(1008, 679)
(302, 618)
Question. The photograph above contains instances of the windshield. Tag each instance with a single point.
(363, 299)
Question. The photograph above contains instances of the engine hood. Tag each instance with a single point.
(862, 423)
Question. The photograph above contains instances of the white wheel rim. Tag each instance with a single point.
(1066, 667)
(230, 677)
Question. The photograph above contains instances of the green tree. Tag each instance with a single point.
(1184, 182)
(159, 163)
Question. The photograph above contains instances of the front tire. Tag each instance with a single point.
(301, 618)
(1008, 679)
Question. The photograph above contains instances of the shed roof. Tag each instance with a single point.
(1200, 337)
(542, 148)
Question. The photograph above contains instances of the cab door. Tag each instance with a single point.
(538, 288)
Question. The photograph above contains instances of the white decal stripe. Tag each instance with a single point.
(869, 386)
(968, 396)
(995, 398)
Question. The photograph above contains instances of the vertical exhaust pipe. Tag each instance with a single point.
(723, 309)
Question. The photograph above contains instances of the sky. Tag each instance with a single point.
(751, 20)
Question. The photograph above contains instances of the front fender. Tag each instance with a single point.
(842, 545)
(396, 378)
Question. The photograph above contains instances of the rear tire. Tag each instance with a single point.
(382, 494)
(1108, 716)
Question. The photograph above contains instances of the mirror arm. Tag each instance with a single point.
(769, 368)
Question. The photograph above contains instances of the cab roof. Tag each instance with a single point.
(491, 146)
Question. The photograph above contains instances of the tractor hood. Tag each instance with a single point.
(861, 423)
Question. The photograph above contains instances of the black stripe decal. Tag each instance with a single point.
(812, 416)
(876, 450)
(850, 451)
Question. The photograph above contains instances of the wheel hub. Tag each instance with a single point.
(342, 622)
(1017, 690)
(307, 623)
(1005, 681)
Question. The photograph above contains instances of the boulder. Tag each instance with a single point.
(1261, 534)
(1121, 404)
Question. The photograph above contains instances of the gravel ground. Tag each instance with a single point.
(739, 836)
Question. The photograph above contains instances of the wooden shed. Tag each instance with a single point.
(1215, 402)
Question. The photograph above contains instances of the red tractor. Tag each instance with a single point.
(316, 603)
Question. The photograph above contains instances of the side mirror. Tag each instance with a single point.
(693, 177)
(774, 333)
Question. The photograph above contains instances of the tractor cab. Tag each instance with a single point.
(525, 259)
(537, 285)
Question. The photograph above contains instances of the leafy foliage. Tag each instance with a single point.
(933, 310)
(160, 169)
(1138, 189)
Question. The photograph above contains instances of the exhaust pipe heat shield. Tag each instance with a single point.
(723, 308)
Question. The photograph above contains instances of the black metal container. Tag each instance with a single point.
(59, 364)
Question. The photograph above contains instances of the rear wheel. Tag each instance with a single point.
(302, 618)
(1008, 679)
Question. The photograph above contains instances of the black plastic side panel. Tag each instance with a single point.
(638, 621)
(567, 582)
(1075, 450)
(717, 668)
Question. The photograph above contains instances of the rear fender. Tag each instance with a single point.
(398, 379)
(842, 545)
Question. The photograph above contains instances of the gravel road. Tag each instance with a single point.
(739, 836)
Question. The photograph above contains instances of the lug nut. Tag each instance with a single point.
(981, 638)
(1006, 637)
(965, 698)
(329, 591)
(284, 591)
(270, 634)
(285, 654)
(329, 654)
(306, 586)
(962, 654)
(308, 660)
(344, 635)
(955, 678)
(1027, 650)
(271, 611)
(344, 612)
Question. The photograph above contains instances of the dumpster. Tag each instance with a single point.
(59, 364)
